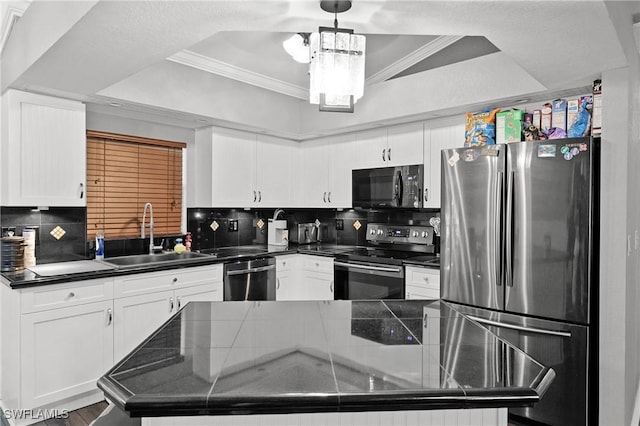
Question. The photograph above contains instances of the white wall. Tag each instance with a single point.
(619, 353)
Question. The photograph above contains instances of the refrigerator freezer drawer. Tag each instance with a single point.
(561, 346)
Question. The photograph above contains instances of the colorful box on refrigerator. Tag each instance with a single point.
(559, 114)
(509, 126)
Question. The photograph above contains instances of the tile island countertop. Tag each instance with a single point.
(238, 358)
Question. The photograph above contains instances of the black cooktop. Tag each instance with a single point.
(378, 255)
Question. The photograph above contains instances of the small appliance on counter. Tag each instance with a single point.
(306, 233)
(277, 231)
(278, 234)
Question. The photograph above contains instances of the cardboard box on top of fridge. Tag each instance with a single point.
(509, 126)
(545, 118)
(559, 114)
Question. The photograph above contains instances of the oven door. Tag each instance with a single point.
(361, 280)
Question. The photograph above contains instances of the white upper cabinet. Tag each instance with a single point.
(390, 146)
(249, 170)
(436, 140)
(274, 164)
(43, 151)
(324, 171)
(405, 144)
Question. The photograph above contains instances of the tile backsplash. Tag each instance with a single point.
(211, 228)
(233, 227)
(60, 232)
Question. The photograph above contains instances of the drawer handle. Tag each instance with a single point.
(317, 265)
(278, 284)
(72, 294)
(109, 316)
(426, 279)
(284, 263)
(175, 279)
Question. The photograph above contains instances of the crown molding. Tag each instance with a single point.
(13, 12)
(205, 63)
(413, 58)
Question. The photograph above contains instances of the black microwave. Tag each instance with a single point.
(388, 187)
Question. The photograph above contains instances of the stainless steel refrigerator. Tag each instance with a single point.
(519, 253)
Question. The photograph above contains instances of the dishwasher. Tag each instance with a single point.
(253, 279)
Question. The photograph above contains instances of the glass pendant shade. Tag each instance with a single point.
(297, 47)
(337, 68)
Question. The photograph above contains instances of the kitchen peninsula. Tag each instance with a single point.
(326, 362)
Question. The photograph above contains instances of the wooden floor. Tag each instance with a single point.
(81, 417)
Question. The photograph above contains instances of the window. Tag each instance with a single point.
(124, 173)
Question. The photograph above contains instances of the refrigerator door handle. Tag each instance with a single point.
(508, 256)
(497, 236)
(535, 330)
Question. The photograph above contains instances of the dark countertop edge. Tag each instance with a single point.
(16, 283)
(193, 405)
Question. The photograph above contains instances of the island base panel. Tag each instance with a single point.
(470, 417)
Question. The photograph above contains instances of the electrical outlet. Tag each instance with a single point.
(339, 224)
(233, 225)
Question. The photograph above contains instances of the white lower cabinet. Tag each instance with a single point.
(64, 352)
(287, 277)
(304, 277)
(65, 336)
(138, 315)
(422, 283)
(317, 277)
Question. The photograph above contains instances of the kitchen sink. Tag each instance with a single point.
(153, 259)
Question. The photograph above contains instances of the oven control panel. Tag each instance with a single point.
(403, 234)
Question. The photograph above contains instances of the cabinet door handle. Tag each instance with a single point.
(109, 316)
(255, 196)
(329, 196)
(426, 279)
(424, 320)
(331, 286)
(384, 151)
(278, 284)
(324, 197)
(179, 302)
(426, 194)
(171, 304)
(72, 294)
(259, 196)
(81, 190)
(389, 154)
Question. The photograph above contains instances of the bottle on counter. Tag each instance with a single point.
(179, 247)
(99, 246)
(187, 242)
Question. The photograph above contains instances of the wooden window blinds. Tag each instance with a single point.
(124, 173)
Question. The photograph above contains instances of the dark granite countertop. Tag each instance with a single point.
(215, 358)
(27, 278)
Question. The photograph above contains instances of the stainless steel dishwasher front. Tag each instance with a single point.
(253, 279)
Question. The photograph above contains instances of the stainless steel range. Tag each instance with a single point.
(377, 271)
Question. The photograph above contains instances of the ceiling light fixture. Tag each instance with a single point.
(336, 61)
(298, 47)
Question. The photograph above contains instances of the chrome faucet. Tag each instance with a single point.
(152, 247)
